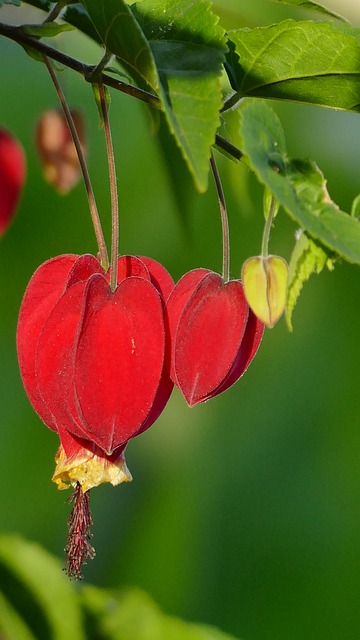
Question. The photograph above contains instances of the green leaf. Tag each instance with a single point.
(120, 33)
(298, 185)
(132, 614)
(175, 48)
(46, 30)
(313, 6)
(313, 62)
(36, 585)
(189, 49)
(307, 258)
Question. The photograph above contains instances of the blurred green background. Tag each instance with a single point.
(244, 512)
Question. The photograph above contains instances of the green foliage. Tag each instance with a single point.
(307, 258)
(298, 185)
(175, 49)
(38, 601)
(313, 62)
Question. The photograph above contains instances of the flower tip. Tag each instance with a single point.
(89, 470)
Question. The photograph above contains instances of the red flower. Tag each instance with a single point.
(12, 176)
(214, 335)
(94, 361)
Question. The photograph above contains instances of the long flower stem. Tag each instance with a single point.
(267, 229)
(89, 191)
(224, 221)
(113, 190)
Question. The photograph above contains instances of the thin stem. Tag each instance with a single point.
(104, 260)
(97, 71)
(224, 221)
(267, 229)
(113, 191)
(55, 11)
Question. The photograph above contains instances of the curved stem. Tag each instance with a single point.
(224, 221)
(55, 11)
(89, 191)
(113, 190)
(267, 229)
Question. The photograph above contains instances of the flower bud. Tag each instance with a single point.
(57, 151)
(265, 282)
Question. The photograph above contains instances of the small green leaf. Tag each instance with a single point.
(42, 583)
(269, 203)
(132, 614)
(313, 62)
(355, 207)
(298, 185)
(313, 6)
(46, 30)
(307, 258)
(96, 92)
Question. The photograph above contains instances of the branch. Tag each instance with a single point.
(87, 71)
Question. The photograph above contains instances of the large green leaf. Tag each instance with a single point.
(121, 615)
(33, 584)
(176, 48)
(311, 62)
(298, 185)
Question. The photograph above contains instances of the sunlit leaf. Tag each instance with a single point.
(307, 258)
(175, 48)
(313, 62)
(312, 6)
(298, 185)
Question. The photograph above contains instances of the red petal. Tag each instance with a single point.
(55, 360)
(250, 343)
(208, 336)
(41, 295)
(84, 267)
(159, 276)
(130, 266)
(175, 306)
(119, 359)
(12, 176)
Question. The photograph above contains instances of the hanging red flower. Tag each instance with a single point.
(94, 362)
(214, 335)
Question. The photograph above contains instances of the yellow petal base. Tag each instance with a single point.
(89, 470)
